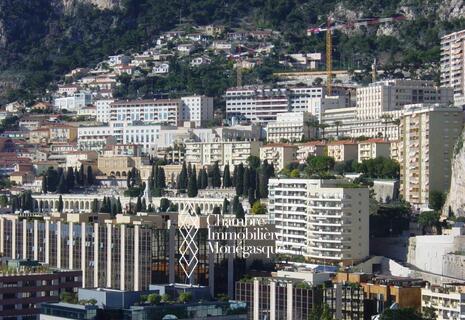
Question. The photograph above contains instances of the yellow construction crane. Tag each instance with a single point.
(336, 25)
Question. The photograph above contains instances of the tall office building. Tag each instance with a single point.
(429, 134)
(323, 220)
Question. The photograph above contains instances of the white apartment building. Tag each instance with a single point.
(324, 220)
(73, 103)
(95, 137)
(226, 152)
(165, 111)
(343, 150)
(452, 64)
(340, 121)
(373, 148)
(290, 126)
(319, 105)
(198, 109)
(448, 301)
(429, 133)
(103, 109)
(299, 97)
(263, 104)
(391, 95)
(278, 154)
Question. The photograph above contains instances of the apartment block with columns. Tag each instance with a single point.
(323, 220)
(429, 134)
(124, 253)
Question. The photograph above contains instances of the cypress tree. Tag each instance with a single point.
(204, 179)
(156, 183)
(182, 179)
(239, 179)
(216, 210)
(251, 196)
(70, 178)
(199, 179)
(90, 176)
(44, 184)
(225, 206)
(246, 181)
(82, 176)
(235, 204)
(161, 178)
(94, 206)
(104, 205)
(240, 213)
(189, 170)
(192, 190)
(60, 204)
(119, 208)
(227, 183)
(128, 180)
(216, 176)
(52, 179)
(144, 205)
(114, 210)
(138, 204)
(61, 188)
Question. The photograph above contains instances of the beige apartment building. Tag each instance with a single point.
(278, 154)
(343, 150)
(225, 152)
(452, 64)
(373, 148)
(312, 148)
(429, 133)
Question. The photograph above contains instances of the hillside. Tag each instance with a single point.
(41, 40)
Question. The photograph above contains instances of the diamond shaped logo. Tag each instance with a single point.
(189, 248)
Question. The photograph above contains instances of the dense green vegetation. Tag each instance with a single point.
(41, 42)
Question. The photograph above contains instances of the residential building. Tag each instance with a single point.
(429, 134)
(381, 104)
(25, 287)
(161, 68)
(225, 152)
(95, 138)
(343, 150)
(291, 295)
(340, 122)
(103, 109)
(323, 220)
(198, 109)
(447, 301)
(345, 301)
(157, 110)
(391, 95)
(290, 127)
(320, 104)
(262, 104)
(62, 133)
(73, 103)
(452, 64)
(278, 154)
(63, 310)
(373, 148)
(312, 148)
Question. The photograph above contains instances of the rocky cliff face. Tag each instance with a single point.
(456, 197)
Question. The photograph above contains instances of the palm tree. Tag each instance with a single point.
(312, 123)
(323, 126)
(337, 124)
